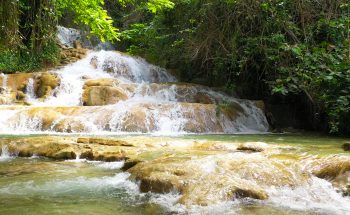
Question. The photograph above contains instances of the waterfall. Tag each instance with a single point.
(5, 155)
(30, 93)
(4, 80)
(108, 91)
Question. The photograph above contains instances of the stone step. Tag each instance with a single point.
(131, 117)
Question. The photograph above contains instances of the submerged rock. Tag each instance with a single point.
(252, 146)
(330, 167)
(346, 146)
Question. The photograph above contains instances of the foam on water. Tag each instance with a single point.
(318, 196)
(78, 185)
(100, 164)
(4, 80)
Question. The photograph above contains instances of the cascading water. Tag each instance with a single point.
(30, 93)
(151, 101)
(4, 80)
(5, 155)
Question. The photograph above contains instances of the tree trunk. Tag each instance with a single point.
(37, 24)
(9, 38)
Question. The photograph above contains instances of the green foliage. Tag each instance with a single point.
(91, 14)
(27, 39)
(24, 61)
(258, 48)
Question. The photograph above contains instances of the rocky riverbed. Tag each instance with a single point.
(205, 172)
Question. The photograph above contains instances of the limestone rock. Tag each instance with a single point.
(102, 95)
(45, 83)
(330, 167)
(107, 82)
(260, 104)
(77, 44)
(232, 110)
(203, 98)
(252, 146)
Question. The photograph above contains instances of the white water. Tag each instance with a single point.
(30, 92)
(318, 196)
(5, 155)
(4, 80)
(155, 103)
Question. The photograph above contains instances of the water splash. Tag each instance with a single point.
(80, 185)
(318, 196)
(4, 80)
(5, 154)
(30, 91)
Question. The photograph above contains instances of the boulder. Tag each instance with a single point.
(203, 98)
(330, 167)
(107, 82)
(77, 44)
(45, 83)
(347, 190)
(102, 95)
(260, 104)
(252, 146)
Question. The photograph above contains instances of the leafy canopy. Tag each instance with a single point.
(92, 14)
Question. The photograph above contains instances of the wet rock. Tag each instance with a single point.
(89, 155)
(77, 44)
(252, 146)
(130, 163)
(45, 83)
(232, 110)
(94, 62)
(7, 97)
(190, 177)
(260, 104)
(220, 189)
(346, 146)
(109, 156)
(20, 95)
(330, 167)
(71, 55)
(203, 98)
(18, 81)
(103, 141)
(107, 82)
(46, 147)
(157, 177)
(64, 155)
(347, 191)
(136, 120)
(68, 125)
(102, 95)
